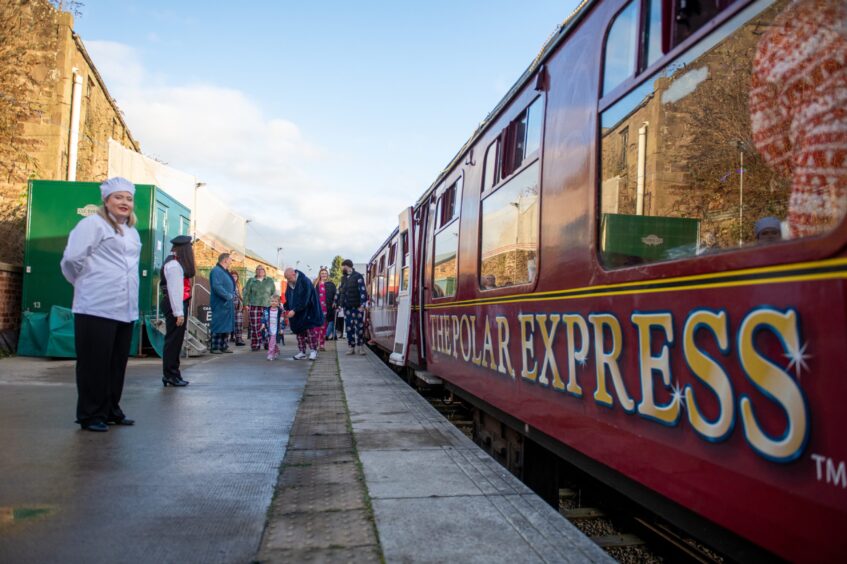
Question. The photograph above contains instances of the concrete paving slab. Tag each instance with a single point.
(399, 439)
(436, 496)
(318, 474)
(191, 481)
(416, 473)
(448, 529)
(330, 456)
(315, 497)
(320, 530)
(359, 554)
(320, 442)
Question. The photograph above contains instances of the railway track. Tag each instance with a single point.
(626, 532)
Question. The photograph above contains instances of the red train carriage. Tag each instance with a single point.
(639, 258)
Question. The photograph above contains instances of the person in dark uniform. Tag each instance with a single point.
(175, 285)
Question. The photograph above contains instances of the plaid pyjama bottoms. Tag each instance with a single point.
(310, 337)
(258, 338)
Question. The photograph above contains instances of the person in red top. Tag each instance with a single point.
(798, 110)
(177, 272)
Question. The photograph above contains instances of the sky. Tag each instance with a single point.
(318, 121)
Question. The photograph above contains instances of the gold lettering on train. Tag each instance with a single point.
(504, 362)
(774, 383)
(528, 346)
(570, 321)
(650, 364)
(474, 358)
(455, 324)
(709, 372)
(487, 347)
(465, 337)
(606, 362)
(663, 397)
(549, 361)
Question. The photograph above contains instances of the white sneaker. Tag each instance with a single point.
(351, 350)
(363, 351)
(313, 355)
(299, 356)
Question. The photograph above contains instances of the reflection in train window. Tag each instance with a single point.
(445, 263)
(712, 146)
(509, 252)
(621, 48)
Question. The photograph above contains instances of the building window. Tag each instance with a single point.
(509, 251)
(711, 135)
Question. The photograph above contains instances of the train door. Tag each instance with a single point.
(405, 244)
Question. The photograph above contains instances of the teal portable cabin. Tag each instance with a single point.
(53, 209)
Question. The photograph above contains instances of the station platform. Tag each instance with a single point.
(433, 494)
(284, 461)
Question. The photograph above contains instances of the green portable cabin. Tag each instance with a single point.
(53, 209)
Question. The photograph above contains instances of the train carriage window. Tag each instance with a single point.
(509, 250)
(380, 284)
(373, 281)
(490, 166)
(523, 137)
(716, 137)
(621, 48)
(653, 42)
(391, 280)
(445, 261)
(448, 203)
(404, 262)
(690, 15)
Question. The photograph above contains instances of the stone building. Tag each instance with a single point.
(56, 119)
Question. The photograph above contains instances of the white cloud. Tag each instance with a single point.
(263, 166)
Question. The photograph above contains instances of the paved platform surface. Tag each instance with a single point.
(320, 512)
(190, 482)
(436, 496)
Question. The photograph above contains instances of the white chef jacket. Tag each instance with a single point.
(175, 279)
(102, 266)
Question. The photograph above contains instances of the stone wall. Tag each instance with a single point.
(39, 55)
(11, 278)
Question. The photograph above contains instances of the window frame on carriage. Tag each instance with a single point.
(674, 49)
(504, 150)
(448, 196)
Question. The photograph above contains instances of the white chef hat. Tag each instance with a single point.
(116, 184)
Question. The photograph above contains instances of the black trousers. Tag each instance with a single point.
(102, 351)
(174, 336)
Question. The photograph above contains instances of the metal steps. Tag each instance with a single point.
(196, 336)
